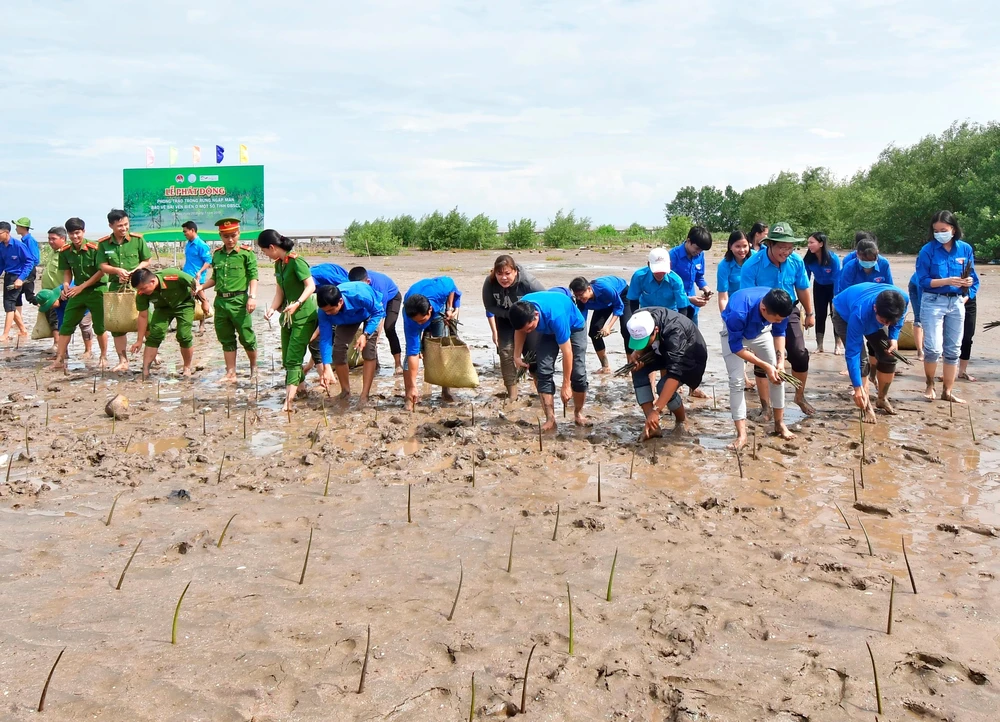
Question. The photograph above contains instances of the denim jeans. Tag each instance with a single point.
(943, 320)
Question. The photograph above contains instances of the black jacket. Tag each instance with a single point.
(498, 300)
(681, 349)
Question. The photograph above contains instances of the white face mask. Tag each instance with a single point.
(942, 236)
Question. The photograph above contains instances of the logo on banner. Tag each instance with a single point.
(179, 178)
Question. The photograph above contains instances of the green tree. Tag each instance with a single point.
(430, 233)
(481, 233)
(405, 229)
(606, 231)
(675, 231)
(685, 203)
(709, 213)
(372, 238)
(565, 230)
(729, 211)
(520, 234)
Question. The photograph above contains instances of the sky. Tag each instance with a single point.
(515, 109)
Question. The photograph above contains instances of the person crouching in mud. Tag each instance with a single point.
(667, 341)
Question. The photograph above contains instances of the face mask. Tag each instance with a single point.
(867, 264)
(942, 236)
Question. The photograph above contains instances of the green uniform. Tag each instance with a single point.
(232, 272)
(171, 299)
(83, 264)
(49, 267)
(128, 255)
(290, 275)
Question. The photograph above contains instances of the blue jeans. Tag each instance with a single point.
(943, 320)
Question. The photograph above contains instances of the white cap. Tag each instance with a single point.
(640, 328)
(659, 260)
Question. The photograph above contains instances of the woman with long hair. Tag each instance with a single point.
(823, 266)
(946, 276)
(506, 284)
(294, 297)
(758, 232)
(727, 279)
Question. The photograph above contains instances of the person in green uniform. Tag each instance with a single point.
(295, 297)
(234, 277)
(121, 254)
(171, 292)
(83, 289)
(52, 280)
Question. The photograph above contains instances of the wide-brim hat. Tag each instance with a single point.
(781, 232)
(46, 299)
(23, 221)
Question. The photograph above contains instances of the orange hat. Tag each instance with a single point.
(228, 225)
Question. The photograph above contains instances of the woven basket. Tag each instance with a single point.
(906, 340)
(120, 314)
(448, 362)
(42, 328)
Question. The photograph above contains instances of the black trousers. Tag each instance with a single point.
(601, 317)
(823, 300)
(969, 330)
(12, 296)
(389, 326)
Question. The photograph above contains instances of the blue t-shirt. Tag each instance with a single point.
(853, 274)
(436, 290)
(564, 291)
(743, 319)
(385, 287)
(727, 276)
(790, 276)
(361, 305)
(15, 259)
(934, 261)
(558, 315)
(31, 246)
(196, 254)
(668, 293)
(690, 270)
(328, 274)
(856, 305)
(607, 294)
(825, 275)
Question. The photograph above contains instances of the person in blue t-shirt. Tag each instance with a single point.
(946, 275)
(867, 266)
(754, 327)
(387, 290)
(823, 266)
(864, 313)
(688, 261)
(428, 306)
(197, 261)
(657, 285)
(607, 297)
(913, 289)
(727, 277)
(15, 267)
(779, 267)
(329, 274)
(343, 310)
(560, 325)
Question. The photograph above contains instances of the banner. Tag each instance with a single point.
(196, 154)
(159, 200)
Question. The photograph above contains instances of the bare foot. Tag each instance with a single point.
(843, 373)
(929, 392)
(157, 361)
(187, 371)
(920, 355)
(580, 420)
(868, 414)
(681, 429)
(446, 397)
(56, 365)
(87, 355)
(949, 396)
(967, 377)
(121, 367)
(763, 415)
(603, 370)
(343, 395)
(885, 406)
(398, 371)
(819, 350)
(102, 363)
(253, 373)
(740, 442)
(697, 394)
(230, 377)
(23, 335)
(362, 402)
(782, 431)
(807, 408)
(408, 406)
(838, 351)
(549, 426)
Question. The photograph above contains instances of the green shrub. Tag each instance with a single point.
(405, 229)
(520, 234)
(372, 238)
(481, 233)
(606, 231)
(565, 230)
(675, 231)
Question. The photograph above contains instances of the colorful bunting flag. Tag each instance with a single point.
(219, 153)
(196, 155)
(173, 156)
(150, 157)
(244, 154)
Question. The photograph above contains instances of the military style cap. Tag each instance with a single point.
(24, 222)
(781, 232)
(228, 225)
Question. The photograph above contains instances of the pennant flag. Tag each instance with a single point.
(173, 156)
(244, 154)
(196, 155)
(219, 153)
(150, 157)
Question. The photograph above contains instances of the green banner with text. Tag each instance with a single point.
(159, 200)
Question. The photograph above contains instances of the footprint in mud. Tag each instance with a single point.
(935, 671)
(678, 635)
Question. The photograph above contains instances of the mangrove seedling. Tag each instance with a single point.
(27, 444)
(842, 515)
(878, 691)
(569, 597)
(739, 462)
(598, 482)
(326, 419)
(127, 565)
(315, 437)
(854, 483)
(305, 562)
(10, 460)
(229, 405)
(753, 450)
(409, 494)
(631, 466)
(510, 554)
(461, 574)
(909, 571)
(892, 594)
(128, 442)
(177, 613)
(224, 530)
(555, 529)
(46, 414)
(204, 423)
(472, 704)
(222, 463)
(111, 511)
(972, 427)
(540, 435)
(524, 685)
(611, 579)
(245, 410)
(473, 471)
(326, 487)
(45, 689)
(364, 665)
(867, 539)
